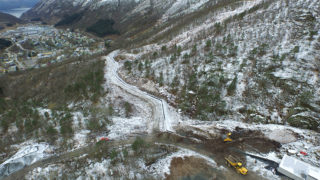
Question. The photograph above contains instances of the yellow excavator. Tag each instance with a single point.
(232, 161)
(227, 138)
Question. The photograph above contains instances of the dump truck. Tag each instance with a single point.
(231, 161)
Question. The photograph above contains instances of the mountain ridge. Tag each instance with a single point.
(129, 15)
(9, 20)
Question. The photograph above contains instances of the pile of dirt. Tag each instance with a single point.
(170, 137)
(190, 168)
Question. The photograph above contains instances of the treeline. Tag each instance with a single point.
(102, 28)
(89, 85)
(69, 19)
(4, 43)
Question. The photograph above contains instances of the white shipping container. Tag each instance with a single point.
(298, 170)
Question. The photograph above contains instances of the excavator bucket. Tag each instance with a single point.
(227, 139)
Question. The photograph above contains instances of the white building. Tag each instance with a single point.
(298, 170)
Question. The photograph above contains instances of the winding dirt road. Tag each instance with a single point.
(161, 119)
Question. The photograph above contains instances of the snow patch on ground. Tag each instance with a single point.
(260, 168)
(183, 7)
(273, 156)
(124, 127)
(99, 169)
(80, 138)
(43, 111)
(51, 172)
(78, 120)
(26, 155)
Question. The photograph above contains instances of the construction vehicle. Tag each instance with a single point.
(232, 161)
(227, 138)
(238, 134)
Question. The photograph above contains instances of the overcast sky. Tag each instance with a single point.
(10, 4)
(1, 1)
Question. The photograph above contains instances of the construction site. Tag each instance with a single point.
(233, 149)
(172, 146)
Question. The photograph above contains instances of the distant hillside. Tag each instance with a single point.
(130, 17)
(9, 20)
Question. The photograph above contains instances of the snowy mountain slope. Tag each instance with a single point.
(172, 7)
(129, 15)
(232, 61)
(256, 61)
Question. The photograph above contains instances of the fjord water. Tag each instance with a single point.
(17, 12)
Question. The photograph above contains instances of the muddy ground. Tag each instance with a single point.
(190, 168)
(214, 147)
